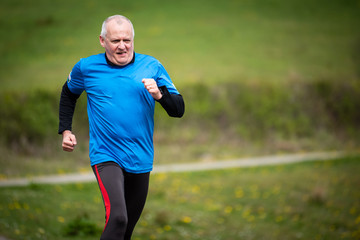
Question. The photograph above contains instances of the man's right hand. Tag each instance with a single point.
(69, 141)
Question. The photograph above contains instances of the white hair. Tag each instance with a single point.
(119, 19)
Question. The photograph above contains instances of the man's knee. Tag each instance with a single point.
(119, 218)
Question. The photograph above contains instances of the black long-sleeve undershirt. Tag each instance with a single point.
(172, 103)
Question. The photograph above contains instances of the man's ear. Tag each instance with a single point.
(102, 41)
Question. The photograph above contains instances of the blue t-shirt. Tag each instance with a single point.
(120, 109)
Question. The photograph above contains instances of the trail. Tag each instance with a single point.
(183, 167)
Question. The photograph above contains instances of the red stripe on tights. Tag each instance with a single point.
(105, 196)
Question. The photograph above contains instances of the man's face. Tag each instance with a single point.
(118, 43)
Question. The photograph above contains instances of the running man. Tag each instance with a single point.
(122, 87)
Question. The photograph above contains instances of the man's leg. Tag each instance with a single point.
(110, 178)
(136, 190)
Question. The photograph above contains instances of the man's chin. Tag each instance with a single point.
(121, 61)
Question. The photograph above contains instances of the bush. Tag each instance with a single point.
(245, 110)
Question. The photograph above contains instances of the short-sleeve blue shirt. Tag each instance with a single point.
(120, 109)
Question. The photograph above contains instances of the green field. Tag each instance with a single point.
(197, 41)
(312, 201)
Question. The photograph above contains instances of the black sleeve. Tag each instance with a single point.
(66, 108)
(172, 103)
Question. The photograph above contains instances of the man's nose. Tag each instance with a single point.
(121, 45)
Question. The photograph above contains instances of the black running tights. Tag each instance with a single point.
(124, 195)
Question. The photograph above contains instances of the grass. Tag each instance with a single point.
(197, 41)
(313, 200)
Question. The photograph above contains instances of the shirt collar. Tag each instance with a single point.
(114, 65)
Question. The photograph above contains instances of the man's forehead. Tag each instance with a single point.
(119, 29)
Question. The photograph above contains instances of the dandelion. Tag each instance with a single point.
(61, 219)
(239, 193)
(287, 209)
(186, 219)
(144, 223)
(167, 228)
(279, 219)
(228, 209)
(161, 177)
(246, 213)
(41, 230)
(353, 211)
(26, 206)
(195, 189)
(357, 221)
(83, 170)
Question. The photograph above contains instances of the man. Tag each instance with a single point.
(122, 87)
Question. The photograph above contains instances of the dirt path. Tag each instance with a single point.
(184, 167)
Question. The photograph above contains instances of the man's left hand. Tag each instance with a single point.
(152, 88)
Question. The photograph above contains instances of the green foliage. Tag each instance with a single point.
(27, 117)
(245, 110)
(341, 100)
(82, 226)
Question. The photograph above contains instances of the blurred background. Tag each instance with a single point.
(259, 77)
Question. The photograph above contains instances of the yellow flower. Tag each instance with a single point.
(186, 219)
(26, 206)
(41, 230)
(239, 193)
(228, 209)
(251, 218)
(279, 219)
(353, 211)
(167, 227)
(61, 219)
(195, 189)
(357, 221)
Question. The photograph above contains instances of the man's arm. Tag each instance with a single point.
(66, 108)
(172, 103)
(66, 113)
